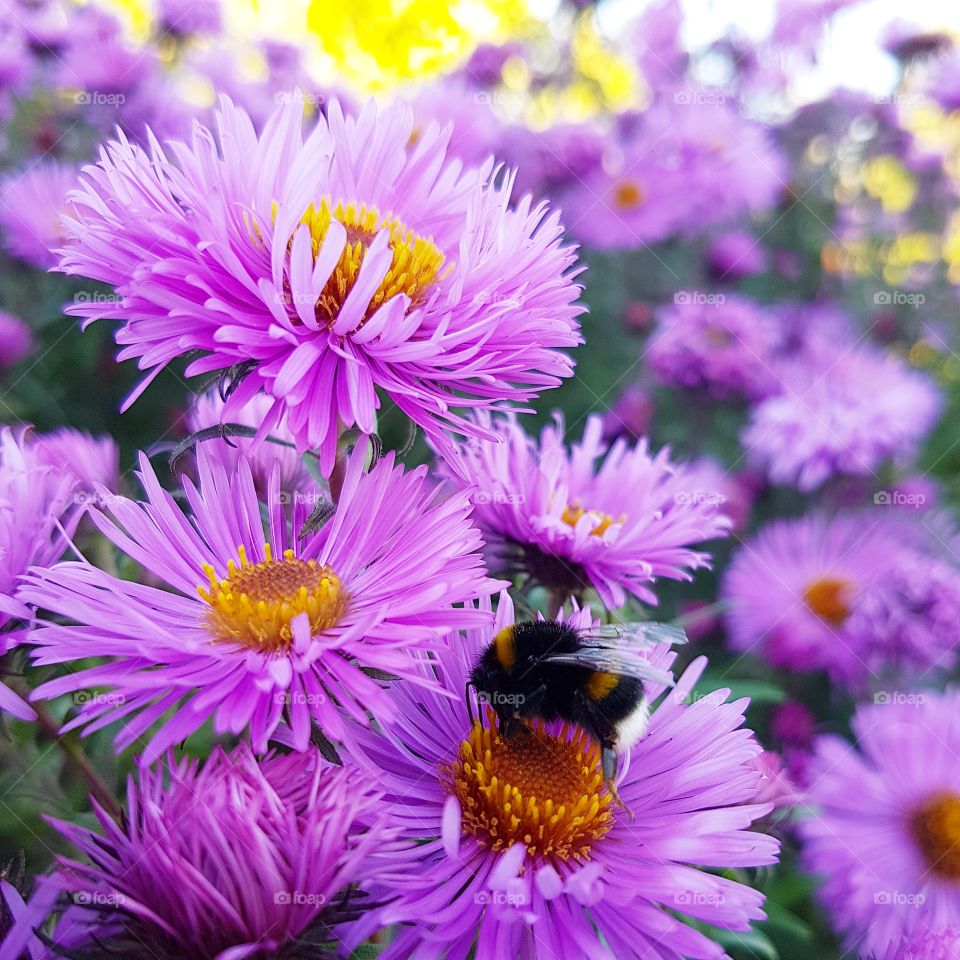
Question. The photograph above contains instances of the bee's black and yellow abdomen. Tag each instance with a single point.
(505, 647)
(599, 685)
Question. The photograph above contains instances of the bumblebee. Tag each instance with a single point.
(593, 677)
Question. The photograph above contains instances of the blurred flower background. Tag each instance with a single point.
(748, 424)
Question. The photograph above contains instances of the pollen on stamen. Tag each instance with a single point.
(256, 602)
(416, 264)
(541, 789)
(603, 522)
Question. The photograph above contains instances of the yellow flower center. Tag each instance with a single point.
(573, 512)
(936, 828)
(534, 788)
(254, 604)
(415, 267)
(829, 598)
(627, 195)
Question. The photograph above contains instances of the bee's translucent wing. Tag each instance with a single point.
(627, 663)
(640, 634)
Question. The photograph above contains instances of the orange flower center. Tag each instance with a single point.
(573, 512)
(415, 267)
(627, 195)
(255, 603)
(534, 788)
(936, 828)
(829, 598)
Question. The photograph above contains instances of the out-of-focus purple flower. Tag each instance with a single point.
(710, 481)
(255, 624)
(615, 518)
(31, 205)
(800, 23)
(722, 344)
(504, 878)
(792, 724)
(16, 340)
(630, 415)
(887, 834)
(906, 40)
(641, 202)
(735, 255)
(15, 62)
(555, 160)
(843, 408)
(914, 492)
(654, 38)
(38, 510)
(97, 62)
(776, 788)
(330, 281)
(93, 461)
(232, 859)
(179, 17)
(295, 478)
(485, 66)
(944, 85)
(856, 595)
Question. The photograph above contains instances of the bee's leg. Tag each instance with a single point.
(608, 759)
(603, 730)
(466, 693)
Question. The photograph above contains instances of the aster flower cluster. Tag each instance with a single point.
(326, 397)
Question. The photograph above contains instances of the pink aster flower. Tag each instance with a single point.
(16, 340)
(842, 409)
(939, 943)
(251, 624)
(615, 518)
(498, 877)
(721, 344)
(93, 461)
(229, 860)
(886, 838)
(330, 268)
(859, 596)
(38, 511)
(31, 206)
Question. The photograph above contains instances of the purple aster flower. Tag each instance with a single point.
(16, 340)
(655, 39)
(842, 409)
(31, 206)
(735, 255)
(886, 837)
(253, 624)
(630, 415)
(856, 595)
(711, 482)
(526, 854)
(295, 479)
(232, 859)
(615, 518)
(721, 344)
(19, 919)
(93, 461)
(637, 201)
(38, 511)
(327, 277)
